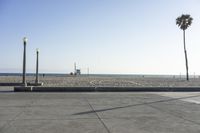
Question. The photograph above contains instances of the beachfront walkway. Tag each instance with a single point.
(99, 112)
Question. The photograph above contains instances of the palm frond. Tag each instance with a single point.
(184, 21)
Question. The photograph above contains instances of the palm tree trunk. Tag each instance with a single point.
(186, 60)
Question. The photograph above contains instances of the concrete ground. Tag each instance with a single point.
(109, 112)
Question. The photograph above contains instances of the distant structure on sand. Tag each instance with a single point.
(76, 71)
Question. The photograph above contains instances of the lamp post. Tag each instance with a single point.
(24, 62)
(37, 63)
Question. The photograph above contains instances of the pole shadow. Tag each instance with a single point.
(134, 105)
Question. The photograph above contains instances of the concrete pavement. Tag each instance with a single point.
(105, 112)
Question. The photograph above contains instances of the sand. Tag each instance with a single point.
(97, 81)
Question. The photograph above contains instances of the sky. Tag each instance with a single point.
(106, 36)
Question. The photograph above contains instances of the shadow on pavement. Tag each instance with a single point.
(140, 104)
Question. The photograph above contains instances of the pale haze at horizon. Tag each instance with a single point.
(106, 36)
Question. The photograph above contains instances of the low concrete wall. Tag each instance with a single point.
(22, 88)
(35, 84)
(147, 89)
(127, 89)
(63, 89)
(106, 89)
(11, 84)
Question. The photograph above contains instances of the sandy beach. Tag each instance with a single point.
(105, 81)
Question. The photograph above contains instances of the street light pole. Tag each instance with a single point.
(37, 64)
(24, 61)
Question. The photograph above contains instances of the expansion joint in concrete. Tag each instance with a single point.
(98, 117)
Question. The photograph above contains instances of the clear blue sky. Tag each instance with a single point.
(108, 36)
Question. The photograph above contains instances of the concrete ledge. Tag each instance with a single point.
(22, 88)
(35, 84)
(185, 89)
(63, 89)
(11, 84)
(147, 89)
(106, 89)
(134, 89)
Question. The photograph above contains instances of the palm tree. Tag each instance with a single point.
(184, 21)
